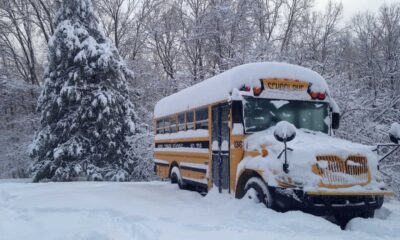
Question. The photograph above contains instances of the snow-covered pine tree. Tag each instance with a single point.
(87, 120)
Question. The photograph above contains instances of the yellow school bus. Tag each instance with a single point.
(266, 131)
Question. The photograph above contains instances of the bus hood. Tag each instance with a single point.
(307, 150)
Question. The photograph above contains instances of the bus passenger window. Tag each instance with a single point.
(189, 120)
(160, 126)
(167, 126)
(181, 121)
(173, 125)
(202, 118)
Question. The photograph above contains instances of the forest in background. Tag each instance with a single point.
(173, 44)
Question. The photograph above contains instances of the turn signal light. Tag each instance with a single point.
(264, 152)
(314, 95)
(245, 88)
(318, 95)
(321, 96)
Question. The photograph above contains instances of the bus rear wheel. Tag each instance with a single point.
(176, 177)
(257, 190)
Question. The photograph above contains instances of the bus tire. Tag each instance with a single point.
(257, 190)
(176, 177)
(343, 220)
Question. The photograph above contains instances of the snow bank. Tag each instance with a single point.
(156, 210)
(385, 225)
(219, 87)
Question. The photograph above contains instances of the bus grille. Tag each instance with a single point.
(336, 172)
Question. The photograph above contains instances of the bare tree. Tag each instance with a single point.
(165, 34)
(389, 35)
(194, 35)
(319, 35)
(17, 35)
(294, 10)
(333, 14)
(120, 14)
(125, 22)
(44, 12)
(265, 15)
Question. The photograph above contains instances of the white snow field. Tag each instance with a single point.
(159, 210)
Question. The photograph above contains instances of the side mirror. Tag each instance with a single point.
(394, 133)
(335, 120)
(284, 132)
(394, 139)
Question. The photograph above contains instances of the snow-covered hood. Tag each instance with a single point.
(306, 146)
(316, 142)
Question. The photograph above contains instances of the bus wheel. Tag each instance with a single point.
(368, 214)
(176, 177)
(343, 220)
(257, 190)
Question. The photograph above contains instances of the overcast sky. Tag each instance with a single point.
(352, 7)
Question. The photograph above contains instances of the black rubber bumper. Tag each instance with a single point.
(291, 199)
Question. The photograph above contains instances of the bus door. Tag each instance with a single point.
(220, 147)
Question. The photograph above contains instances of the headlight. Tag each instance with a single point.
(287, 182)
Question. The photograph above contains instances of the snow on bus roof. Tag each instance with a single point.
(219, 87)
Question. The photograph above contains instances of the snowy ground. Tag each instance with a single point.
(156, 210)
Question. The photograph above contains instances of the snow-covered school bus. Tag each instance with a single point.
(266, 131)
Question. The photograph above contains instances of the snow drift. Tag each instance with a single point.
(156, 210)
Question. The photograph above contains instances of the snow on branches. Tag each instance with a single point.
(88, 129)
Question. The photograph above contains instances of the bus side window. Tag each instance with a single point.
(173, 125)
(160, 126)
(181, 121)
(167, 125)
(202, 118)
(189, 120)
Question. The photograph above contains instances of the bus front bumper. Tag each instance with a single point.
(326, 203)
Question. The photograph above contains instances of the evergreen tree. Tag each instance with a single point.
(87, 120)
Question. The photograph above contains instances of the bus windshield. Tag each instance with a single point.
(260, 114)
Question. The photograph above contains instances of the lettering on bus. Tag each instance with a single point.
(285, 85)
(170, 145)
(238, 144)
(200, 144)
